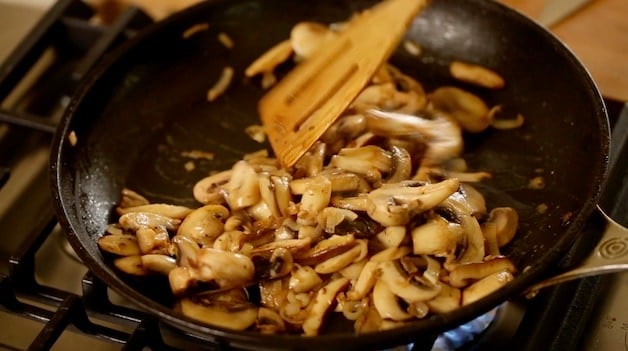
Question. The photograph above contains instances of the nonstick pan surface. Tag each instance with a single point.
(142, 108)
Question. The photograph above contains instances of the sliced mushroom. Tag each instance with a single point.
(395, 204)
(121, 245)
(209, 189)
(436, 237)
(387, 303)
(473, 250)
(469, 110)
(231, 241)
(442, 135)
(363, 160)
(315, 198)
(166, 210)
(326, 248)
(392, 236)
(330, 217)
(340, 261)
(475, 199)
(464, 274)
(204, 224)
(447, 300)
(131, 265)
(131, 198)
(506, 221)
(401, 165)
(153, 241)
(158, 263)
(243, 187)
(322, 303)
(485, 286)
(227, 269)
(307, 37)
(233, 313)
(476, 74)
(340, 181)
(276, 265)
(303, 278)
(269, 321)
(136, 220)
(270, 59)
(401, 285)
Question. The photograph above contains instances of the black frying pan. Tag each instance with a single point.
(136, 112)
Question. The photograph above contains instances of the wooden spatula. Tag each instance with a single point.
(300, 108)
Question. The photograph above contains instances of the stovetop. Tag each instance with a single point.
(48, 299)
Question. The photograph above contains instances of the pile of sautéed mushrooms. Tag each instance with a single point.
(378, 223)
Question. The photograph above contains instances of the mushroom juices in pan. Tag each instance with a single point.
(379, 222)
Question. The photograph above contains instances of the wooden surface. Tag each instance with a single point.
(598, 36)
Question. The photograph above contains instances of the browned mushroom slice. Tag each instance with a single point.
(323, 302)
(131, 265)
(153, 241)
(506, 221)
(325, 249)
(446, 301)
(136, 220)
(315, 198)
(209, 189)
(401, 165)
(469, 110)
(227, 269)
(243, 187)
(475, 200)
(131, 198)
(392, 236)
(476, 74)
(303, 278)
(226, 312)
(340, 181)
(331, 217)
(340, 261)
(270, 59)
(370, 161)
(295, 246)
(269, 321)
(465, 274)
(485, 286)
(204, 224)
(276, 265)
(436, 237)
(121, 245)
(403, 286)
(166, 210)
(158, 263)
(395, 204)
(473, 250)
(387, 303)
(232, 241)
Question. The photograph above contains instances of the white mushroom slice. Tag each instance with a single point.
(131, 198)
(260, 211)
(156, 241)
(436, 237)
(476, 74)
(340, 261)
(307, 37)
(441, 133)
(353, 203)
(315, 198)
(204, 224)
(227, 269)
(323, 302)
(187, 250)
(131, 265)
(180, 280)
(506, 221)
(158, 263)
(276, 265)
(209, 189)
(387, 304)
(330, 217)
(267, 192)
(474, 250)
(395, 204)
(464, 274)
(366, 281)
(231, 241)
(121, 245)
(303, 278)
(352, 271)
(243, 187)
(269, 321)
(392, 236)
(467, 109)
(447, 300)
(170, 211)
(270, 59)
(401, 166)
(273, 293)
(235, 316)
(390, 254)
(365, 160)
(340, 181)
(281, 186)
(136, 220)
(293, 245)
(485, 286)
(401, 285)
(327, 248)
(475, 199)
